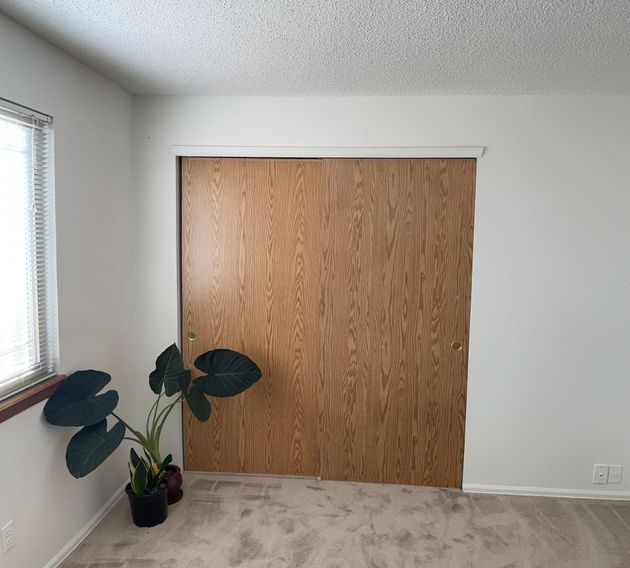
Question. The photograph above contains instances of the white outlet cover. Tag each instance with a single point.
(600, 474)
(8, 537)
(615, 473)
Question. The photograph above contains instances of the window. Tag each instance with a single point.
(28, 295)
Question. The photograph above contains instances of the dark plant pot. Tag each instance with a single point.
(148, 510)
(174, 482)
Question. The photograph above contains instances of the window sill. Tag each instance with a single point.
(28, 397)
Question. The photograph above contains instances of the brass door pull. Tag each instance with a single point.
(456, 345)
(191, 336)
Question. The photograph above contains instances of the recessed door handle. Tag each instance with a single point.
(191, 336)
(456, 345)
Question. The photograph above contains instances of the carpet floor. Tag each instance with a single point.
(226, 521)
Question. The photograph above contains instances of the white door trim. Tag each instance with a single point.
(328, 151)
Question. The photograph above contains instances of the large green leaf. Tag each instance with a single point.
(139, 478)
(91, 446)
(150, 475)
(185, 380)
(166, 461)
(134, 458)
(147, 456)
(198, 403)
(169, 372)
(228, 372)
(75, 402)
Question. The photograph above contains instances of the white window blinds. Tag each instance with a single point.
(28, 314)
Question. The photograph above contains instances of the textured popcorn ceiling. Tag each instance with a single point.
(351, 47)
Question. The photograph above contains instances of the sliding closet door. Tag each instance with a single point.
(250, 282)
(348, 281)
(395, 250)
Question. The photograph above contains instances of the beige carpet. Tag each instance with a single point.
(228, 521)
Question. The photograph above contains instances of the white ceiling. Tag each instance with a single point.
(343, 47)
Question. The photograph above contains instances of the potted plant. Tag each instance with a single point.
(77, 402)
(146, 490)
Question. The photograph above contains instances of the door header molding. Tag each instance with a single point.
(329, 151)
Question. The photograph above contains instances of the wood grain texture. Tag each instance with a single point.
(250, 241)
(347, 280)
(396, 253)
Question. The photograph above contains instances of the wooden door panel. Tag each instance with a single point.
(250, 244)
(347, 315)
(346, 280)
(396, 261)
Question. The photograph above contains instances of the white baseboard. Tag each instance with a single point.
(86, 530)
(547, 492)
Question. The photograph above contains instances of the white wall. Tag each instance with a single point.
(92, 143)
(549, 375)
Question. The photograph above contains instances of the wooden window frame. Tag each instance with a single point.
(20, 401)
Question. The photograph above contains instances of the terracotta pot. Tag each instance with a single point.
(150, 509)
(174, 482)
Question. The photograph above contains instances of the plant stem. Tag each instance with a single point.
(145, 442)
(158, 431)
(153, 409)
(153, 436)
(151, 442)
(139, 435)
(167, 410)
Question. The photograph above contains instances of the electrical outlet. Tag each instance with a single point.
(600, 474)
(614, 473)
(8, 537)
